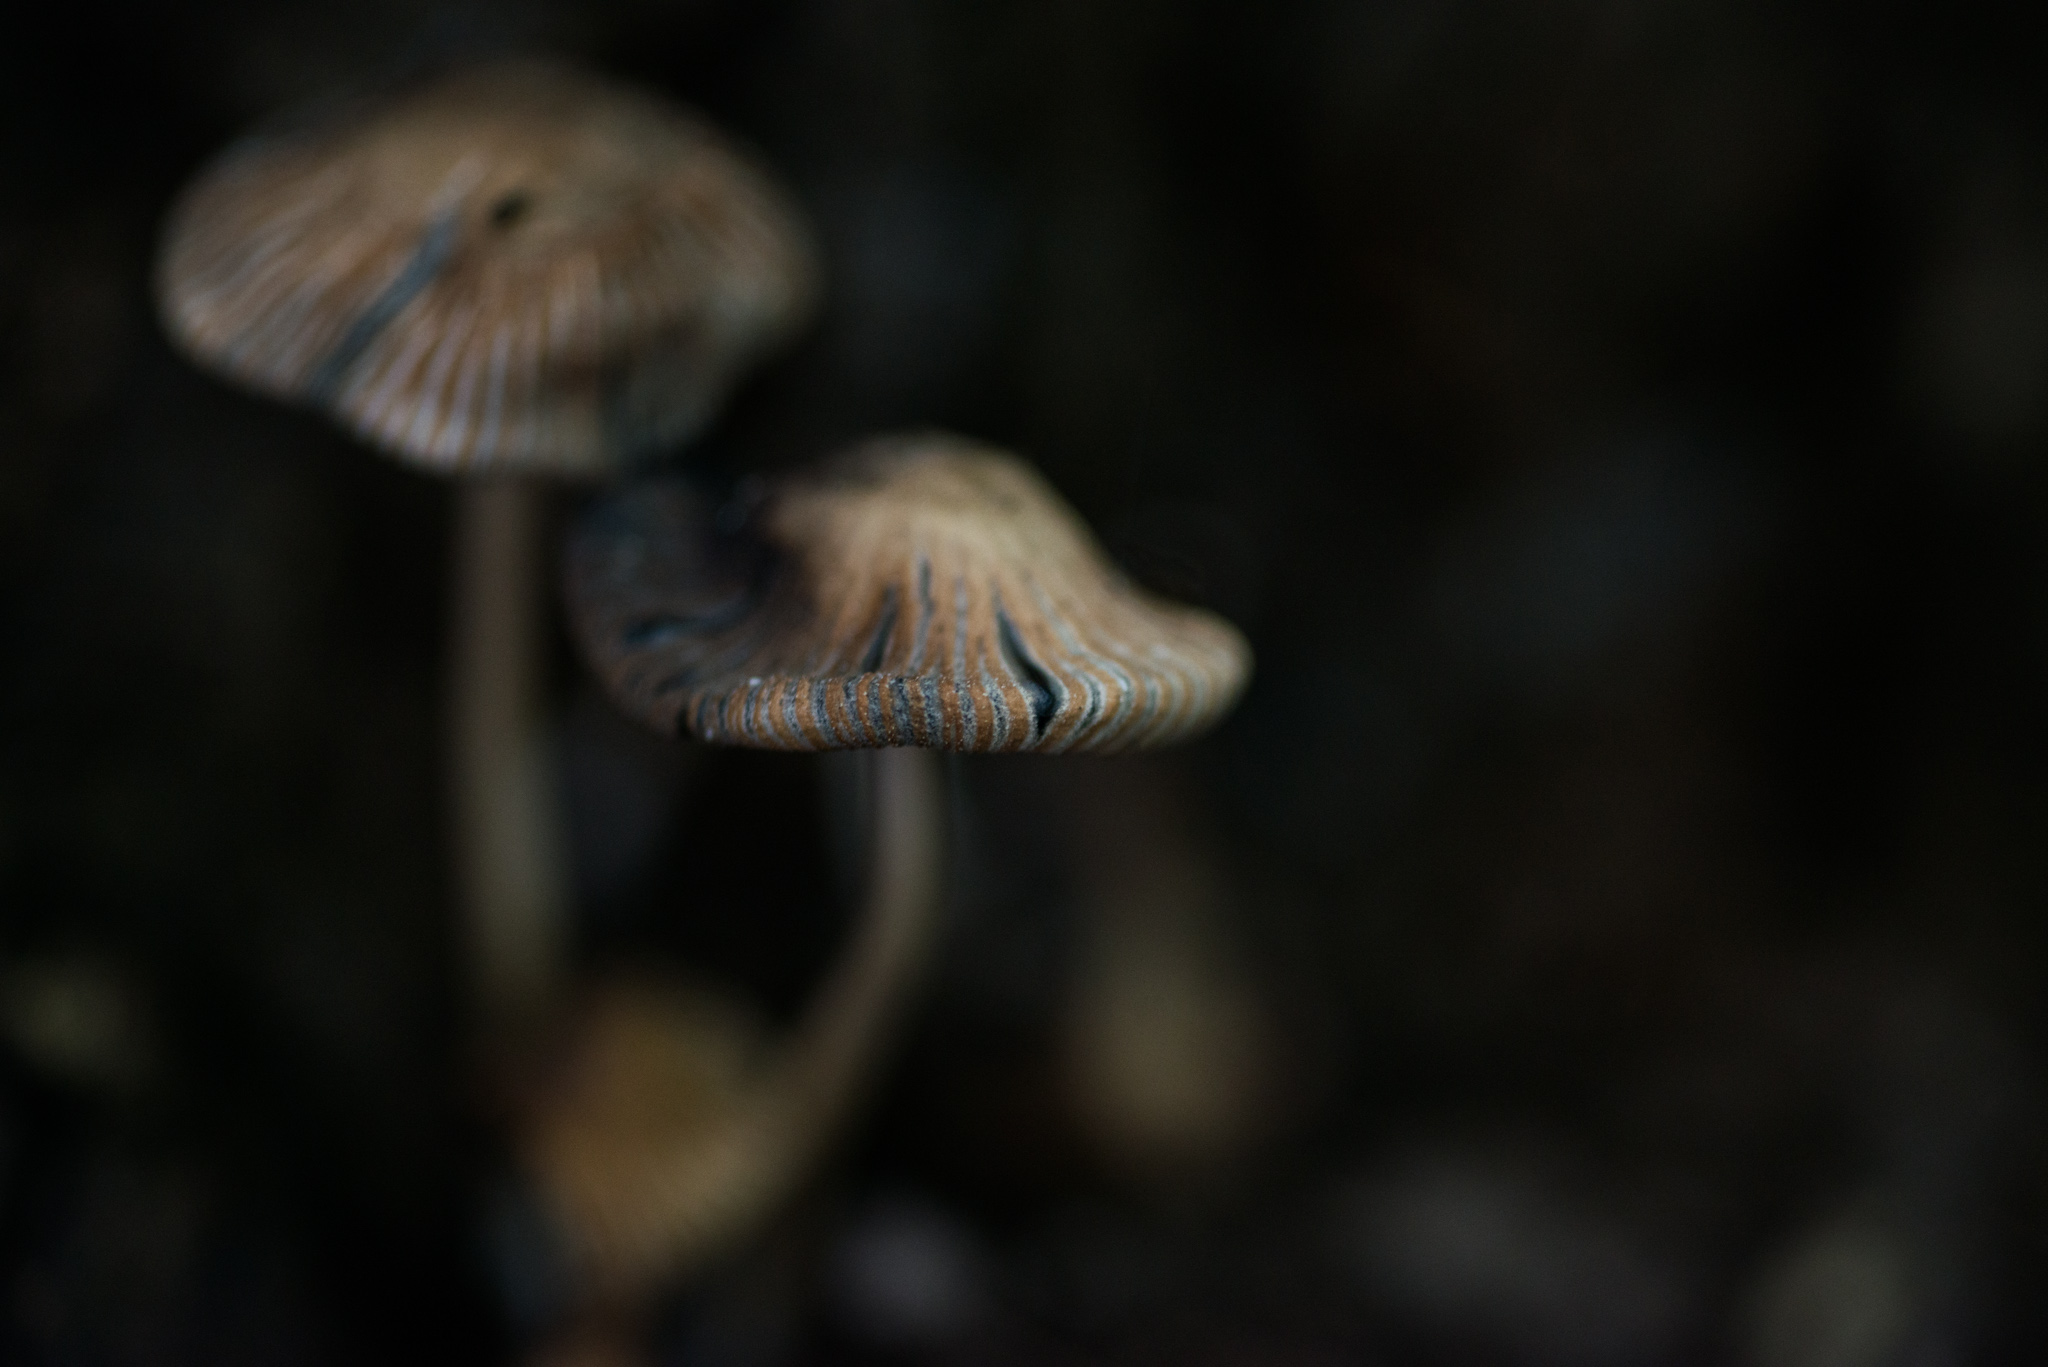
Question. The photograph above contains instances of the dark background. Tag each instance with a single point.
(1609, 933)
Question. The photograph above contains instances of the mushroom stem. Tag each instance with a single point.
(791, 1114)
(826, 1058)
(643, 1188)
(511, 867)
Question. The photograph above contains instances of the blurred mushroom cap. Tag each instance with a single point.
(917, 590)
(652, 1147)
(517, 266)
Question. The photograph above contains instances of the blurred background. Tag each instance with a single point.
(1609, 934)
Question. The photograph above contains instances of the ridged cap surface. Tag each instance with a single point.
(517, 266)
(923, 590)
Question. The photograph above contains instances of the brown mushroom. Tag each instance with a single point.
(513, 270)
(921, 592)
(517, 267)
(1167, 1038)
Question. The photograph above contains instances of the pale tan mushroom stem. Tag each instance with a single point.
(790, 1116)
(644, 1188)
(511, 864)
(826, 1058)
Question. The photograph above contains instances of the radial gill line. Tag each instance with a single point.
(797, 733)
(826, 730)
(850, 701)
(1126, 683)
(437, 245)
(970, 729)
(925, 610)
(879, 646)
(934, 732)
(1043, 693)
(998, 705)
(899, 699)
(1078, 652)
(866, 689)
(749, 711)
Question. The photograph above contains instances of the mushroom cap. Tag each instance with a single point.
(644, 1145)
(923, 590)
(515, 266)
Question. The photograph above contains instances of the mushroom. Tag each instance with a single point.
(512, 271)
(1167, 1038)
(925, 591)
(916, 593)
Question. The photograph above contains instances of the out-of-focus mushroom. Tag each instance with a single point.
(925, 592)
(82, 1020)
(510, 271)
(517, 267)
(1170, 1048)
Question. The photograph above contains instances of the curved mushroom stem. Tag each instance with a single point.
(824, 1062)
(511, 867)
(645, 1185)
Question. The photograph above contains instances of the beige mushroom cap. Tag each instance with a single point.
(517, 266)
(923, 590)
